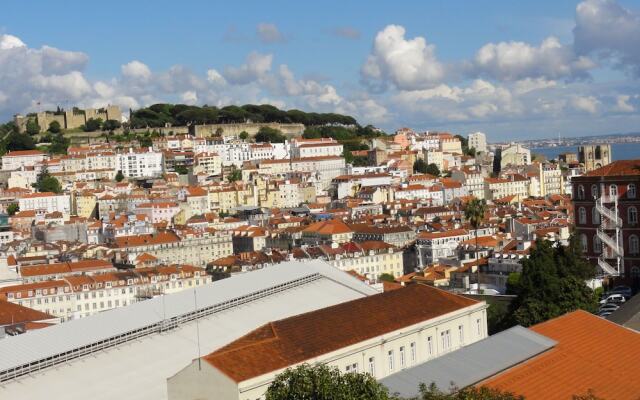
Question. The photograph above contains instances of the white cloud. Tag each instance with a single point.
(9, 42)
(269, 33)
(607, 29)
(255, 68)
(588, 104)
(189, 97)
(623, 105)
(215, 78)
(72, 86)
(136, 70)
(519, 60)
(407, 64)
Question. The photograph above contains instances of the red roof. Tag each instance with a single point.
(22, 153)
(13, 313)
(592, 354)
(618, 168)
(296, 339)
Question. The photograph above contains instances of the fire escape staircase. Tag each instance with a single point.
(610, 234)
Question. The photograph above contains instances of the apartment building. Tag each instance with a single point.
(357, 336)
(321, 147)
(399, 236)
(45, 202)
(15, 160)
(478, 141)
(197, 248)
(209, 163)
(157, 212)
(78, 296)
(499, 188)
(141, 163)
(432, 246)
(370, 259)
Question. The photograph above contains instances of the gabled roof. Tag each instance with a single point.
(592, 354)
(293, 340)
(13, 314)
(329, 227)
(618, 168)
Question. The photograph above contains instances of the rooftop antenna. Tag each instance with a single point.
(195, 305)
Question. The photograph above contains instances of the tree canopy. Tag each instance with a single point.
(422, 167)
(159, 115)
(54, 127)
(47, 183)
(266, 134)
(553, 283)
(18, 141)
(59, 144)
(235, 174)
(321, 382)
(32, 127)
(93, 124)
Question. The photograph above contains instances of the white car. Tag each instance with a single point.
(613, 298)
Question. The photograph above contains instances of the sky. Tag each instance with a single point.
(511, 69)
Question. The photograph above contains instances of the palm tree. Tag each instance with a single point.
(474, 213)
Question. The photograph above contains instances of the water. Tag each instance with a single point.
(619, 151)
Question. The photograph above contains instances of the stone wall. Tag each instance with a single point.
(251, 128)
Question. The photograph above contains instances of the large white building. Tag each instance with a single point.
(378, 335)
(141, 163)
(301, 148)
(14, 160)
(45, 202)
(129, 352)
(478, 141)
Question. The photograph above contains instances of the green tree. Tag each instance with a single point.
(235, 174)
(321, 382)
(266, 134)
(93, 124)
(552, 284)
(47, 183)
(111, 125)
(433, 169)
(243, 135)
(13, 208)
(181, 170)
(513, 283)
(386, 277)
(119, 176)
(420, 166)
(474, 213)
(32, 127)
(145, 141)
(59, 144)
(18, 141)
(54, 127)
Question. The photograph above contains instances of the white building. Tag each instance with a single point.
(141, 163)
(14, 160)
(301, 148)
(358, 336)
(432, 246)
(45, 202)
(515, 154)
(478, 141)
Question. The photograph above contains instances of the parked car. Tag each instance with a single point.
(623, 290)
(609, 307)
(613, 298)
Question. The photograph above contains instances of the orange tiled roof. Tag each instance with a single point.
(592, 353)
(302, 337)
(618, 168)
(330, 227)
(13, 314)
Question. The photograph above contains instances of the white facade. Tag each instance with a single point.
(14, 160)
(478, 141)
(145, 164)
(46, 202)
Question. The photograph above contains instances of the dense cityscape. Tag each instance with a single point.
(162, 248)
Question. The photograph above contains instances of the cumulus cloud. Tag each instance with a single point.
(623, 105)
(407, 64)
(214, 77)
(519, 60)
(9, 42)
(269, 33)
(609, 30)
(256, 67)
(588, 104)
(136, 70)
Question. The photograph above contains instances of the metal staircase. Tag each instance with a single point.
(610, 234)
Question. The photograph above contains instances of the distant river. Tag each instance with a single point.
(619, 151)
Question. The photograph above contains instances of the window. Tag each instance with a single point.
(597, 244)
(613, 190)
(413, 352)
(479, 326)
(390, 356)
(580, 194)
(595, 217)
(372, 366)
(594, 191)
(445, 339)
(461, 334)
(635, 272)
(352, 368)
(402, 360)
(430, 346)
(582, 215)
(631, 191)
(634, 244)
(633, 215)
(583, 242)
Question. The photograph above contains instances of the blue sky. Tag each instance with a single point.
(512, 69)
